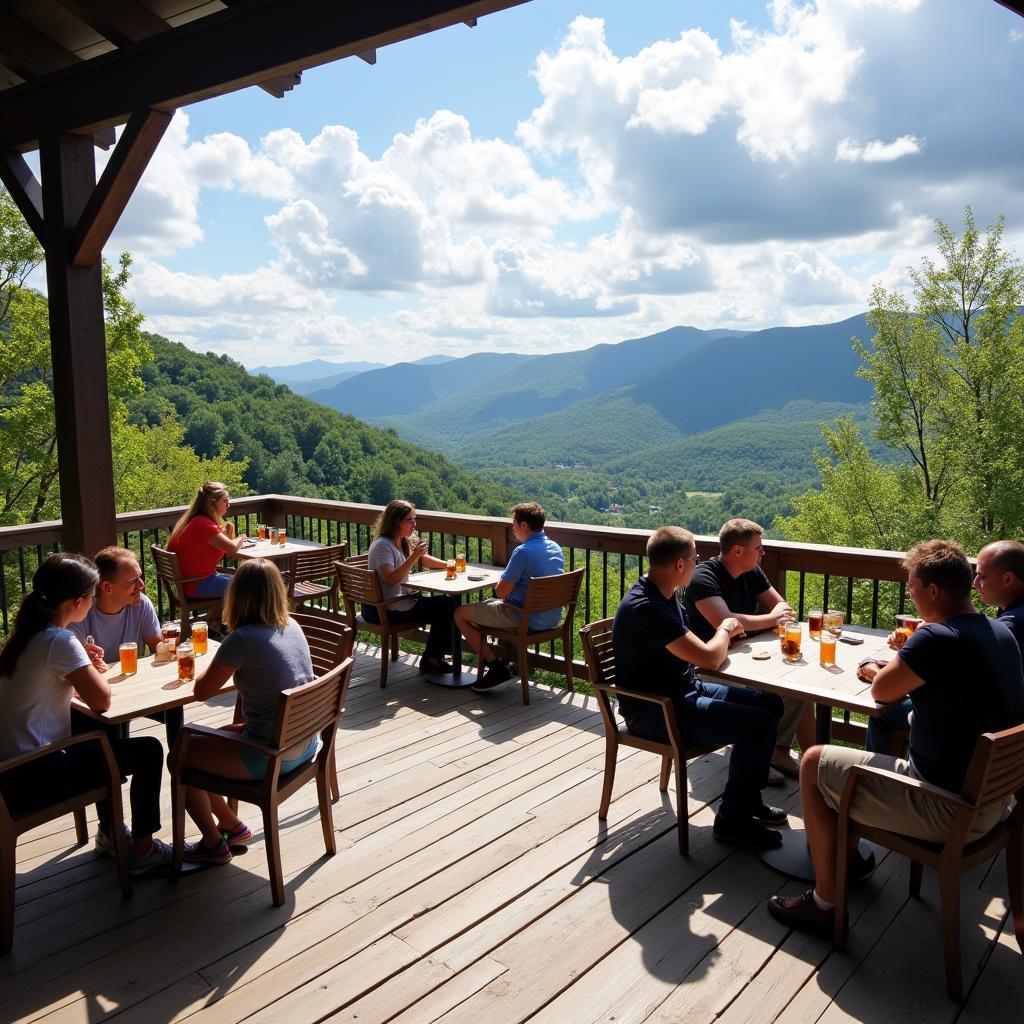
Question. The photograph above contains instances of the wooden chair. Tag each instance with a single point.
(362, 586)
(311, 575)
(171, 583)
(13, 825)
(600, 655)
(302, 713)
(543, 593)
(359, 561)
(330, 643)
(996, 772)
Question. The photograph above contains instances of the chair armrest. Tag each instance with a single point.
(50, 748)
(616, 691)
(859, 771)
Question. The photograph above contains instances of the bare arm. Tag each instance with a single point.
(212, 680)
(716, 611)
(689, 647)
(503, 588)
(893, 681)
(229, 547)
(152, 641)
(392, 577)
(91, 687)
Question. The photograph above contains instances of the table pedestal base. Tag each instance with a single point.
(793, 858)
(461, 681)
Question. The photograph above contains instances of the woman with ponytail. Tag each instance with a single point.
(41, 665)
(200, 541)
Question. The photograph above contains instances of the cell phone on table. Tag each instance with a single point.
(851, 639)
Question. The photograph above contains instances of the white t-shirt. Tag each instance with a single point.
(386, 555)
(35, 704)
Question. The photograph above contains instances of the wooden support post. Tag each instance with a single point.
(78, 348)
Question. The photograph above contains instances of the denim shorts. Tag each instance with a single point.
(215, 585)
(256, 763)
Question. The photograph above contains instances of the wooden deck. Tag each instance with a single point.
(473, 884)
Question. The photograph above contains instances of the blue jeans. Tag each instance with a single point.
(215, 585)
(895, 718)
(714, 715)
(256, 763)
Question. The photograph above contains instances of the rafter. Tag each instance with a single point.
(123, 22)
(28, 52)
(24, 189)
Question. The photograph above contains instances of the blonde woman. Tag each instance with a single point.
(266, 652)
(393, 556)
(200, 542)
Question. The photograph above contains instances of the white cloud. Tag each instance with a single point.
(876, 152)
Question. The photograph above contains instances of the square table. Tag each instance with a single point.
(476, 577)
(153, 688)
(264, 549)
(836, 686)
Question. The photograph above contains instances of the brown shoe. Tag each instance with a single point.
(803, 913)
(775, 778)
(787, 764)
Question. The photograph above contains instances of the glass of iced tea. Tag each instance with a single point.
(199, 638)
(170, 632)
(129, 658)
(833, 622)
(229, 530)
(814, 623)
(261, 529)
(791, 642)
(282, 536)
(449, 569)
(186, 662)
(827, 650)
(460, 561)
(272, 534)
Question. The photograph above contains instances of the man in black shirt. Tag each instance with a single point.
(655, 652)
(733, 583)
(963, 673)
(999, 580)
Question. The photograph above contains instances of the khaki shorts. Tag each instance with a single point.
(888, 805)
(495, 613)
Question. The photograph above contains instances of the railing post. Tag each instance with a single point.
(771, 564)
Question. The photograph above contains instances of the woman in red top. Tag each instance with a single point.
(200, 542)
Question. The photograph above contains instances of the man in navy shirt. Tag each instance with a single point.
(536, 555)
(962, 671)
(655, 652)
(999, 580)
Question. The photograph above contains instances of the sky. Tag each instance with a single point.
(571, 172)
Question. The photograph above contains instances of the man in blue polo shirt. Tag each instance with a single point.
(536, 555)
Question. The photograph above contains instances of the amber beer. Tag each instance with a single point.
(129, 658)
(282, 536)
(272, 531)
(229, 530)
(791, 642)
(261, 529)
(833, 622)
(170, 632)
(449, 569)
(186, 662)
(199, 638)
(814, 623)
(827, 650)
(460, 561)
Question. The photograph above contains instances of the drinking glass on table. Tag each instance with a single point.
(129, 653)
(450, 571)
(200, 638)
(170, 632)
(814, 623)
(460, 561)
(791, 642)
(261, 529)
(186, 662)
(832, 622)
(827, 650)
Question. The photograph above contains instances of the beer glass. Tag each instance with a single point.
(186, 662)
(272, 531)
(460, 561)
(814, 623)
(261, 529)
(791, 642)
(833, 622)
(449, 569)
(129, 658)
(282, 536)
(170, 632)
(229, 529)
(199, 638)
(827, 650)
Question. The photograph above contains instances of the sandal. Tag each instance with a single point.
(241, 833)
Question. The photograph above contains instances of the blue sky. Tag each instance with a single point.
(570, 173)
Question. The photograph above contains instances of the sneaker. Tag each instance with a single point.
(803, 913)
(199, 853)
(103, 845)
(236, 836)
(157, 856)
(496, 673)
(436, 666)
(745, 831)
(768, 815)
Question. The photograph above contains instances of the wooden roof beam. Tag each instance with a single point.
(123, 22)
(28, 52)
(124, 169)
(243, 45)
(25, 190)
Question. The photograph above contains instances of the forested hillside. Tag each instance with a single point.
(296, 446)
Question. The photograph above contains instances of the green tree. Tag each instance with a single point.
(948, 373)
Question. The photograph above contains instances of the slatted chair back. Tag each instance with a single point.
(546, 592)
(306, 711)
(996, 771)
(359, 561)
(315, 564)
(599, 653)
(358, 585)
(330, 640)
(168, 571)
